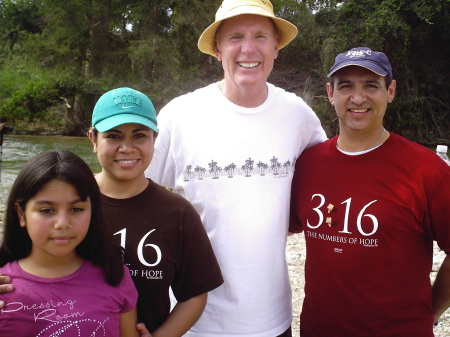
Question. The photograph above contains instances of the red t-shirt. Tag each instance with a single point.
(369, 222)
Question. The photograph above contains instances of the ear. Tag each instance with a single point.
(330, 93)
(20, 214)
(91, 138)
(276, 49)
(217, 52)
(391, 91)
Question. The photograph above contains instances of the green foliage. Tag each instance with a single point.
(415, 35)
(189, 18)
(17, 18)
(13, 75)
(65, 35)
(53, 52)
(317, 5)
(165, 59)
(303, 50)
(37, 97)
(32, 102)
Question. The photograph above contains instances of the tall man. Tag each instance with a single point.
(229, 148)
(370, 203)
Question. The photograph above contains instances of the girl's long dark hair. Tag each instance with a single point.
(97, 246)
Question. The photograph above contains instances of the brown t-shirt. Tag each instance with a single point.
(166, 246)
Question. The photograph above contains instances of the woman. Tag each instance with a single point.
(165, 242)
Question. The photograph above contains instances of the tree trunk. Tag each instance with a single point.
(79, 108)
(99, 24)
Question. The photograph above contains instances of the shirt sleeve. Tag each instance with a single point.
(128, 290)
(438, 214)
(199, 270)
(295, 225)
(162, 169)
(318, 136)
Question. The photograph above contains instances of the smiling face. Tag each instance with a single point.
(124, 152)
(56, 220)
(360, 98)
(247, 47)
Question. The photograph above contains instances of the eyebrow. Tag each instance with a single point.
(48, 202)
(342, 82)
(135, 130)
(367, 82)
(373, 81)
(259, 31)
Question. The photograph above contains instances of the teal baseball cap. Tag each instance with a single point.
(122, 106)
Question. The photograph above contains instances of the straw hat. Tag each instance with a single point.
(231, 8)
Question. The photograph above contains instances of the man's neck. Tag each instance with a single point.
(361, 141)
(247, 97)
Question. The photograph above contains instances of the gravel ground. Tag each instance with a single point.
(295, 255)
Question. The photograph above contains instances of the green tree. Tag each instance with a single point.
(16, 19)
(65, 54)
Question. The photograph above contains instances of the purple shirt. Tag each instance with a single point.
(80, 304)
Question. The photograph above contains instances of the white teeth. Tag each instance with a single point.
(359, 110)
(126, 161)
(248, 65)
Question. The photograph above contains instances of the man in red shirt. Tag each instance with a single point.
(370, 203)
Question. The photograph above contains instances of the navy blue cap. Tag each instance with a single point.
(363, 57)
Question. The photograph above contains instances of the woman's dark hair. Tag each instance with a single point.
(97, 246)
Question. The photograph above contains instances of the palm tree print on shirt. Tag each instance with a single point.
(273, 167)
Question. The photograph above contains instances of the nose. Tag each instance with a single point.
(248, 45)
(358, 97)
(126, 146)
(62, 221)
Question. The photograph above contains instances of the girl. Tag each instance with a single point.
(165, 242)
(69, 279)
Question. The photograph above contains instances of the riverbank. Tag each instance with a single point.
(295, 256)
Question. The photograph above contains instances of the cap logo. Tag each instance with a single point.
(358, 53)
(127, 100)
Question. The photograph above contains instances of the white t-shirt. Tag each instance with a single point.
(235, 166)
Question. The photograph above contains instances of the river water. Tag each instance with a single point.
(18, 149)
